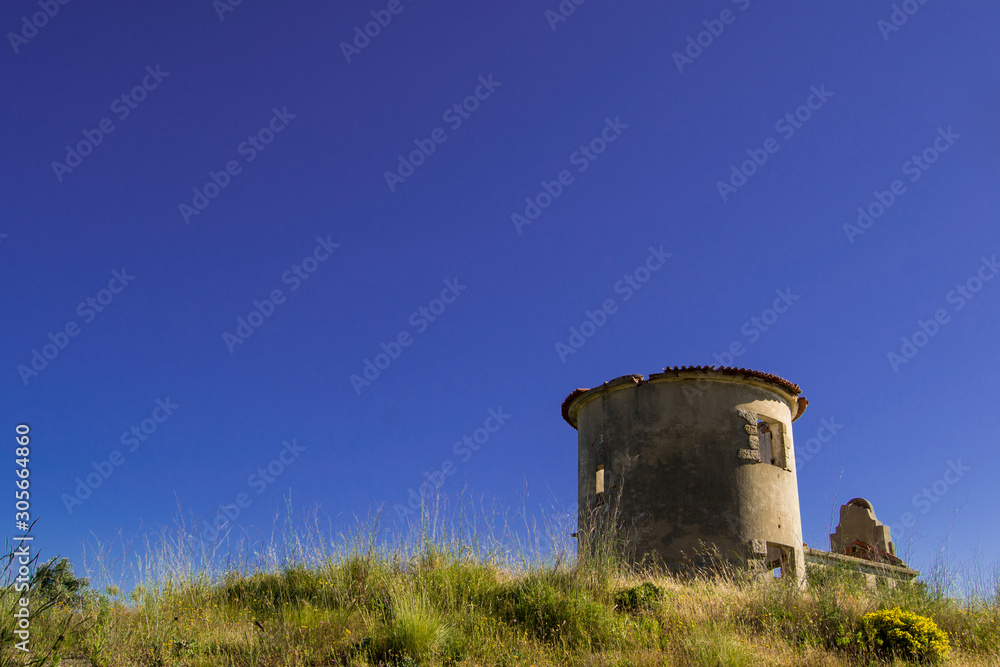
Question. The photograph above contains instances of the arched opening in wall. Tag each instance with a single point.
(771, 440)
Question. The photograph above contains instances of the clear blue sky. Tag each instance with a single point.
(622, 132)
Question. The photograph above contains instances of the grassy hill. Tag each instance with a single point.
(465, 602)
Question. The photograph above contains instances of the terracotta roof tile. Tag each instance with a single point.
(789, 387)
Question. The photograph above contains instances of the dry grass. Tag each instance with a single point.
(452, 596)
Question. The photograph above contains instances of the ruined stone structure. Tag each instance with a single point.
(694, 459)
(861, 534)
(863, 545)
(697, 464)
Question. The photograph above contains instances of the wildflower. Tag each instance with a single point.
(897, 631)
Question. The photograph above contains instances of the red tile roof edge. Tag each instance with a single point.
(792, 388)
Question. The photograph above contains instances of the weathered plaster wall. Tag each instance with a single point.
(681, 453)
(858, 522)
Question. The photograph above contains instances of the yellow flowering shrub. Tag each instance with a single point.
(905, 634)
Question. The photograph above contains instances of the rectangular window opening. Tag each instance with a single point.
(771, 440)
(600, 485)
(778, 559)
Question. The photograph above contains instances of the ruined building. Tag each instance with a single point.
(860, 532)
(864, 544)
(698, 464)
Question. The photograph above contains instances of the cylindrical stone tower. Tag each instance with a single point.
(692, 460)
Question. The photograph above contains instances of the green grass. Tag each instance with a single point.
(453, 597)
